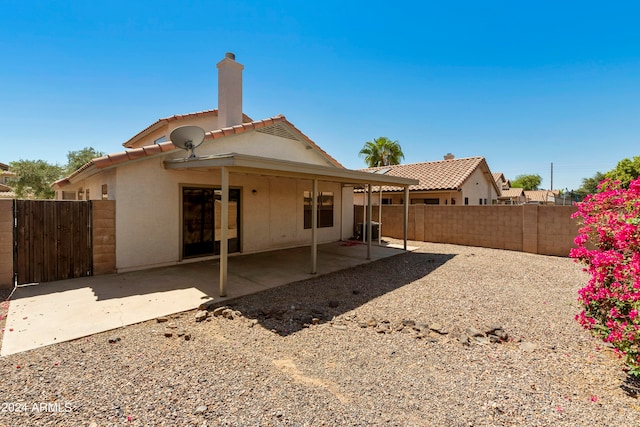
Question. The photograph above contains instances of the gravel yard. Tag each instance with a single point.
(389, 343)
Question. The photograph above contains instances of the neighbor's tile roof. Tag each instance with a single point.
(438, 175)
(512, 192)
(538, 195)
(150, 150)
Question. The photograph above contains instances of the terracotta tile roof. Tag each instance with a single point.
(160, 122)
(543, 196)
(4, 167)
(512, 192)
(150, 150)
(438, 175)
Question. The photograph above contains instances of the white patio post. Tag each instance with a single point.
(364, 212)
(224, 226)
(380, 218)
(406, 215)
(314, 226)
(369, 212)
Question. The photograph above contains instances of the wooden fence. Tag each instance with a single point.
(46, 240)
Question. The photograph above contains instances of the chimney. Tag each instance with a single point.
(229, 91)
(449, 156)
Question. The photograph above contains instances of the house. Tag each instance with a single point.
(452, 181)
(252, 186)
(6, 192)
(502, 182)
(540, 197)
(512, 196)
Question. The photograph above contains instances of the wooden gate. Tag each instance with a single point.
(52, 240)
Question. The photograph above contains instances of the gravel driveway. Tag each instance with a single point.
(445, 336)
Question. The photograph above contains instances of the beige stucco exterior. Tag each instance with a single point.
(149, 208)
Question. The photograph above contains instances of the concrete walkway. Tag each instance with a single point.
(60, 311)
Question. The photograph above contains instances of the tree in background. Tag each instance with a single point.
(34, 178)
(590, 185)
(381, 152)
(77, 159)
(527, 182)
(625, 171)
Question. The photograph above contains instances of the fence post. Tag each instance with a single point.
(6, 244)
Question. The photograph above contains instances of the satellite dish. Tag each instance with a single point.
(187, 138)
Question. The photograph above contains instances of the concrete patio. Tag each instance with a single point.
(54, 312)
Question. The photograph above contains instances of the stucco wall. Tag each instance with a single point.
(477, 187)
(148, 219)
(6, 244)
(547, 230)
(262, 145)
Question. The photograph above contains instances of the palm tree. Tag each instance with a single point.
(381, 152)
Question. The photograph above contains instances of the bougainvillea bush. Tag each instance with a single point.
(608, 244)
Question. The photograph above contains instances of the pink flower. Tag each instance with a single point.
(594, 398)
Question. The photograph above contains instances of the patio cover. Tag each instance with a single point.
(242, 163)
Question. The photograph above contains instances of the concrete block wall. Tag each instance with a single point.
(547, 230)
(556, 230)
(104, 236)
(6, 244)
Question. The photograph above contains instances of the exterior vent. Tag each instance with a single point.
(279, 130)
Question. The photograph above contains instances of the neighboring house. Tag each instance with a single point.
(251, 184)
(465, 181)
(6, 192)
(512, 196)
(540, 197)
(502, 182)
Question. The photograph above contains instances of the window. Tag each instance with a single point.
(68, 195)
(325, 209)
(105, 194)
(86, 194)
(453, 201)
(485, 201)
(479, 201)
(466, 200)
(163, 138)
(387, 201)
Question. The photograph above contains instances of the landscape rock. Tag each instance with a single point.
(201, 409)
(114, 340)
(201, 315)
(436, 327)
(162, 319)
(218, 311)
(473, 332)
(333, 303)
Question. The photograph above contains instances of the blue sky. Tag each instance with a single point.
(523, 84)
